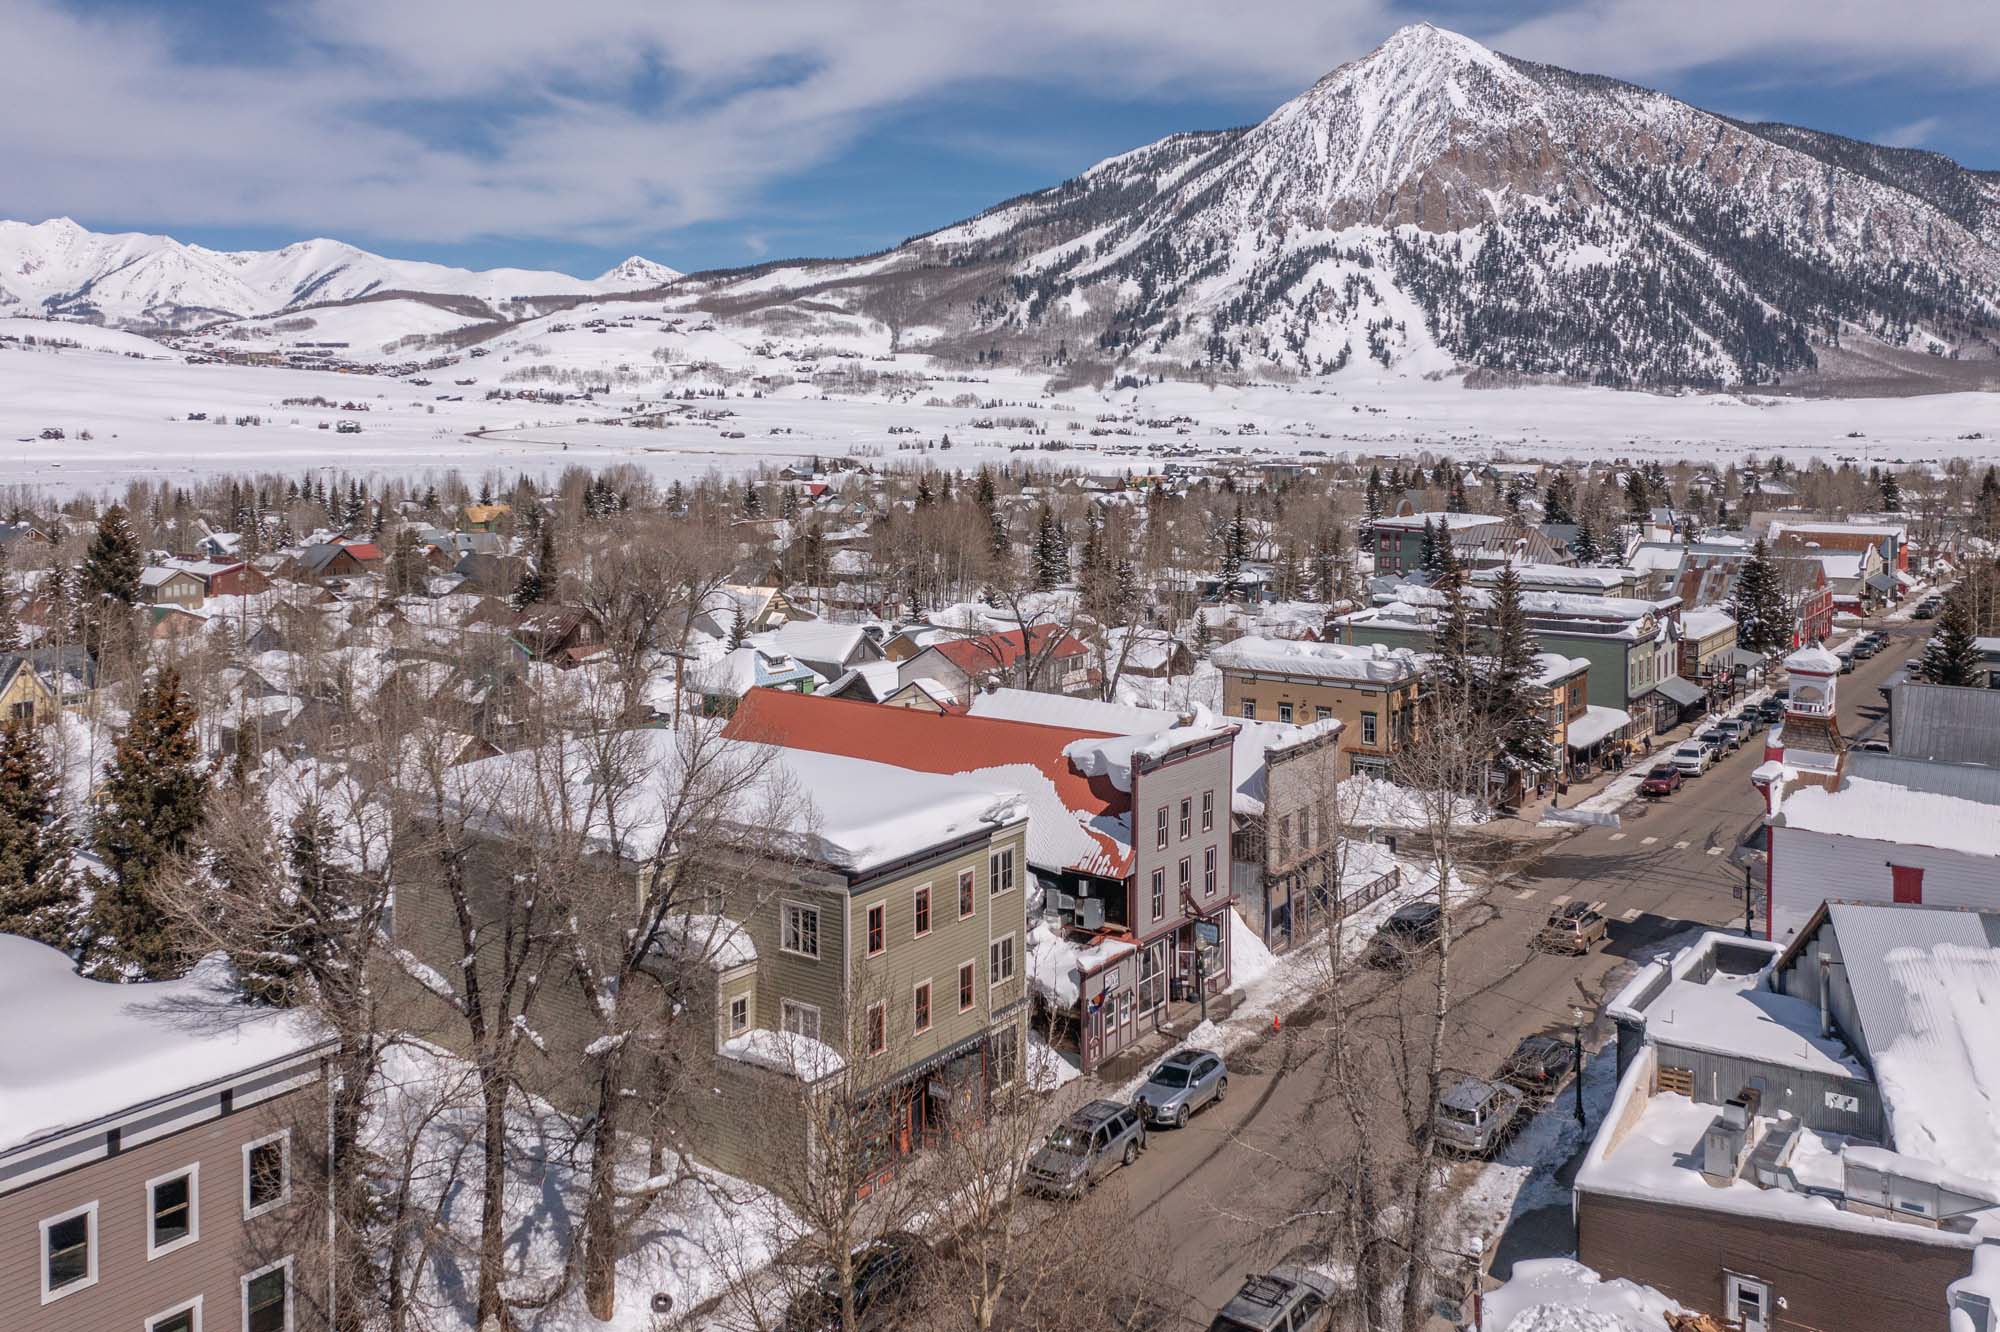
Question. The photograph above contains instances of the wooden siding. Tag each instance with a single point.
(1830, 1280)
(130, 1289)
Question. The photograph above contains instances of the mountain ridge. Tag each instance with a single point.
(134, 279)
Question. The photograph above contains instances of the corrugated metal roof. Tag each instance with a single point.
(1966, 781)
(1946, 723)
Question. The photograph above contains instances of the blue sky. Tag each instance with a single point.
(708, 133)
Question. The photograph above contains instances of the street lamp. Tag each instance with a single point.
(1576, 1044)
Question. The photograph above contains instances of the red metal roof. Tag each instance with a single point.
(363, 550)
(992, 652)
(930, 742)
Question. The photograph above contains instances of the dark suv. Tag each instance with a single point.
(1411, 930)
(1285, 1299)
(884, 1271)
(1539, 1065)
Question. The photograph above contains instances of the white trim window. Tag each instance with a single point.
(69, 1252)
(878, 1028)
(799, 1019)
(1208, 811)
(173, 1211)
(920, 1008)
(267, 1173)
(1000, 872)
(267, 1298)
(967, 987)
(801, 932)
(739, 1015)
(180, 1318)
(1000, 961)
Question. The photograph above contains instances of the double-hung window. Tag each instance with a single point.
(1160, 828)
(267, 1176)
(801, 930)
(920, 1017)
(171, 1219)
(965, 902)
(1000, 872)
(1159, 893)
(1208, 811)
(1000, 961)
(69, 1252)
(878, 928)
(1208, 872)
(267, 1299)
(923, 911)
(1187, 818)
(966, 997)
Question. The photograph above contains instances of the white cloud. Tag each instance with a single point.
(616, 120)
(360, 130)
(1913, 135)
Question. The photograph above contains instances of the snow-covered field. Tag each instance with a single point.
(832, 389)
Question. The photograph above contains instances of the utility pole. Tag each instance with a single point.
(1749, 905)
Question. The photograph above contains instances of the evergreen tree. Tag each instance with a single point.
(38, 891)
(1455, 501)
(1987, 514)
(1763, 619)
(1204, 637)
(1371, 507)
(998, 543)
(1584, 544)
(983, 491)
(1892, 492)
(925, 495)
(788, 505)
(317, 909)
(10, 624)
(1559, 502)
(1441, 476)
(1517, 706)
(406, 564)
(1638, 497)
(149, 811)
(738, 629)
(1051, 551)
(486, 490)
(112, 565)
(1452, 649)
(1427, 552)
(753, 500)
(539, 579)
(1952, 656)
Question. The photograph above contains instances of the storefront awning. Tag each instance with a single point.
(1742, 659)
(1684, 692)
(1595, 725)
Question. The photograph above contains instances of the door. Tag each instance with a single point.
(1748, 1301)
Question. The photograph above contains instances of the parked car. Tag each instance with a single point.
(1873, 746)
(1663, 780)
(1571, 928)
(1730, 732)
(1181, 1084)
(1927, 609)
(884, 1271)
(1692, 757)
(1285, 1299)
(1771, 710)
(1539, 1065)
(1408, 932)
(1476, 1115)
(1090, 1144)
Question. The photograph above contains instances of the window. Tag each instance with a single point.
(1908, 883)
(1004, 1050)
(1187, 818)
(69, 1253)
(1305, 828)
(181, 1318)
(799, 1019)
(1186, 880)
(1208, 811)
(1367, 728)
(267, 1299)
(1322, 714)
(964, 894)
(23, 712)
(1284, 835)
(878, 1028)
(1000, 872)
(1208, 872)
(921, 1017)
(1160, 828)
(1250, 709)
(878, 928)
(266, 1173)
(739, 1015)
(801, 930)
(1284, 712)
(170, 1208)
(923, 911)
(1159, 893)
(1000, 961)
(965, 995)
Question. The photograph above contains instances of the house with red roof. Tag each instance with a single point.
(1045, 657)
(1128, 845)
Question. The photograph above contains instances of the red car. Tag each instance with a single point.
(1663, 780)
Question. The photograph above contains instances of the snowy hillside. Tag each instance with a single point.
(59, 268)
(1436, 206)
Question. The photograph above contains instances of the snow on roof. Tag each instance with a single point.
(1703, 623)
(822, 640)
(1562, 1295)
(1595, 724)
(94, 1049)
(849, 813)
(1114, 757)
(1813, 661)
(1413, 522)
(748, 667)
(1884, 811)
(1747, 1021)
(1327, 661)
(1553, 666)
(1057, 965)
(785, 1052)
(718, 940)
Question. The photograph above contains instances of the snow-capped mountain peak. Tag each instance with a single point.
(58, 267)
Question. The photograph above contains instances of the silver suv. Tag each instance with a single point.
(1285, 1299)
(1090, 1144)
(1474, 1116)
